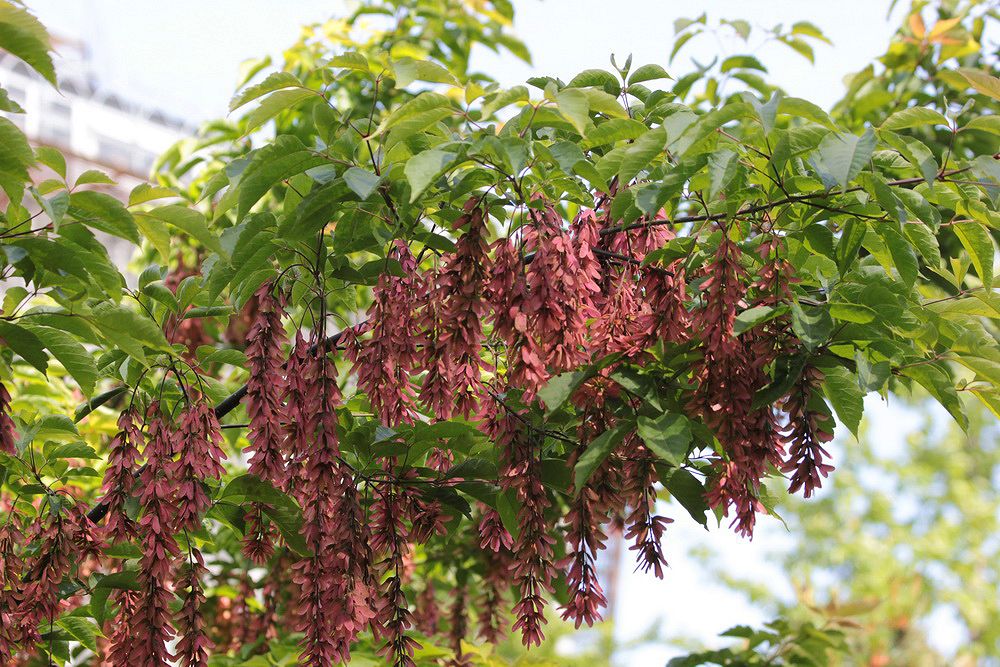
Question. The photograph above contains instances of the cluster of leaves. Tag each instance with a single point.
(819, 641)
(829, 255)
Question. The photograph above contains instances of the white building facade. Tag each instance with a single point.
(94, 128)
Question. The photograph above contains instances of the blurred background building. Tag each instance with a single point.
(95, 128)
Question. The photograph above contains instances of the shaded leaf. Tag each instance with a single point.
(24, 36)
(423, 168)
(668, 436)
(840, 157)
(597, 450)
(842, 388)
(361, 181)
(187, 220)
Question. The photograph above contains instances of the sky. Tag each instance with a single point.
(183, 57)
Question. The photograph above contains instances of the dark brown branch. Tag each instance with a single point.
(759, 208)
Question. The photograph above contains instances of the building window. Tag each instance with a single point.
(113, 152)
(56, 119)
(125, 156)
(143, 161)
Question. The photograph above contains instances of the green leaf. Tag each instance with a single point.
(603, 104)
(419, 107)
(284, 158)
(15, 158)
(408, 70)
(120, 325)
(613, 130)
(770, 503)
(158, 291)
(742, 27)
(597, 78)
(473, 468)
(187, 220)
(674, 249)
(810, 30)
(917, 153)
(901, 251)
(74, 450)
(124, 580)
(56, 207)
(597, 450)
(423, 168)
(566, 153)
(71, 354)
(12, 298)
(751, 317)
(24, 36)
(56, 426)
(274, 104)
(508, 508)
(787, 371)
(722, 167)
(982, 81)
(679, 44)
(414, 124)
(93, 176)
(840, 157)
(641, 153)
(871, 377)
(841, 387)
(794, 106)
(925, 241)
(985, 369)
(209, 355)
(102, 211)
(913, 117)
(25, 343)
(52, 159)
(156, 232)
(741, 62)
(274, 81)
(851, 312)
(668, 436)
(648, 73)
(10, 106)
(799, 46)
(989, 123)
(690, 493)
(81, 630)
(557, 389)
(361, 181)
(144, 192)
(574, 107)
(979, 244)
(504, 98)
(351, 60)
(812, 325)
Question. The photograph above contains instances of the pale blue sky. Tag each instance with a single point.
(183, 57)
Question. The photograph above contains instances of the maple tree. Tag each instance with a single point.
(405, 345)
